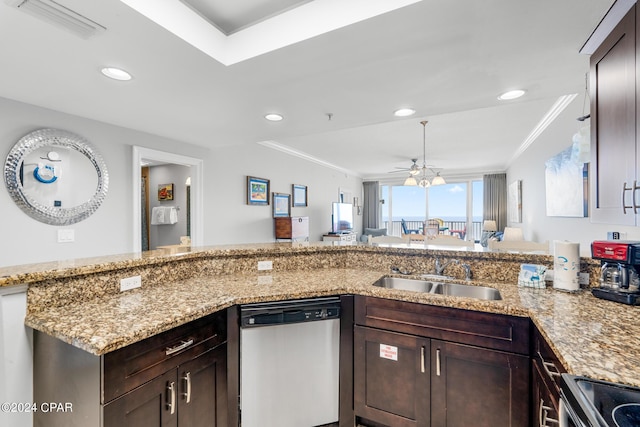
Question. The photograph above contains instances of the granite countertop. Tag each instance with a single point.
(31, 273)
(592, 337)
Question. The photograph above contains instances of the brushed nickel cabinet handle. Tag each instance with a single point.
(633, 198)
(422, 357)
(544, 412)
(172, 397)
(438, 362)
(547, 365)
(624, 203)
(187, 393)
(172, 350)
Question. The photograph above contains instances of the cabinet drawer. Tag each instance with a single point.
(488, 330)
(131, 366)
(548, 363)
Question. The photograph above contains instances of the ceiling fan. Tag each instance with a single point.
(413, 170)
(416, 171)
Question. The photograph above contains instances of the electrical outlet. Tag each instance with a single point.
(66, 235)
(265, 280)
(583, 278)
(265, 265)
(130, 283)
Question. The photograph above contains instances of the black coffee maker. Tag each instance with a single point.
(619, 279)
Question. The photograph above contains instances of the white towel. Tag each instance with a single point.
(173, 215)
(161, 215)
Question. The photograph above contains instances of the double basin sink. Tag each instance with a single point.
(439, 288)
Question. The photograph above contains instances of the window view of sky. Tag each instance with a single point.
(448, 202)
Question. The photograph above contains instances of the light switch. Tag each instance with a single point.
(66, 235)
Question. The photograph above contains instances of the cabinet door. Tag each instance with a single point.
(544, 404)
(202, 397)
(613, 126)
(472, 386)
(391, 377)
(154, 404)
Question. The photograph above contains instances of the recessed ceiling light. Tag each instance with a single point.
(273, 117)
(404, 112)
(512, 94)
(116, 73)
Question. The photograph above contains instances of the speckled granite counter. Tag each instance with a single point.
(592, 337)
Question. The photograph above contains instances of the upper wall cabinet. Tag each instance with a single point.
(614, 167)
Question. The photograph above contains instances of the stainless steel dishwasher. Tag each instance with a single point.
(289, 352)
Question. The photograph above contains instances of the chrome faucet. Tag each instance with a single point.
(440, 268)
(467, 271)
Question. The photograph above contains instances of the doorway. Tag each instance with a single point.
(143, 155)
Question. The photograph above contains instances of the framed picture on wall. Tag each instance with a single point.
(281, 205)
(257, 191)
(299, 195)
(165, 192)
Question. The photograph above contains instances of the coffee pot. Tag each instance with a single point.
(619, 278)
(622, 277)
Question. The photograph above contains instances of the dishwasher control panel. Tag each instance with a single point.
(295, 311)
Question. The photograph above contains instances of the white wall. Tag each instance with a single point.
(168, 234)
(227, 217)
(231, 220)
(530, 167)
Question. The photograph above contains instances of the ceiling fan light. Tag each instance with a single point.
(438, 180)
(410, 181)
(424, 183)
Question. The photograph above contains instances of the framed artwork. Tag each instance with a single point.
(165, 192)
(514, 200)
(299, 195)
(281, 205)
(257, 191)
(567, 185)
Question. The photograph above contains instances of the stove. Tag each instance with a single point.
(593, 403)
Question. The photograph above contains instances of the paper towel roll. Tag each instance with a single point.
(566, 265)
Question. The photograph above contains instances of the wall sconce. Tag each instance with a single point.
(357, 206)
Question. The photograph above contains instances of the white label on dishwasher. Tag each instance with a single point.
(388, 352)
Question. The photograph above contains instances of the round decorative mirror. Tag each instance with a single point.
(56, 176)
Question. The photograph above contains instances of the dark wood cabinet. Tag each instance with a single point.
(545, 376)
(147, 405)
(614, 163)
(473, 386)
(294, 228)
(203, 393)
(392, 377)
(194, 394)
(175, 378)
(421, 365)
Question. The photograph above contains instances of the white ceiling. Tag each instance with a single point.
(447, 59)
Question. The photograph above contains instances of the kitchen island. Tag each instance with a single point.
(80, 302)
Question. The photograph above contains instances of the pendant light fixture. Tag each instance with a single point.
(423, 180)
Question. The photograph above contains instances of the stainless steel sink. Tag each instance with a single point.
(404, 284)
(468, 291)
(450, 289)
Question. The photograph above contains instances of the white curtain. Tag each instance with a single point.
(371, 205)
(495, 199)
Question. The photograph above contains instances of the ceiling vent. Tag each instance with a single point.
(59, 15)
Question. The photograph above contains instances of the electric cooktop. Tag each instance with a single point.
(601, 403)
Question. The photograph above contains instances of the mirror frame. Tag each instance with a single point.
(53, 215)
